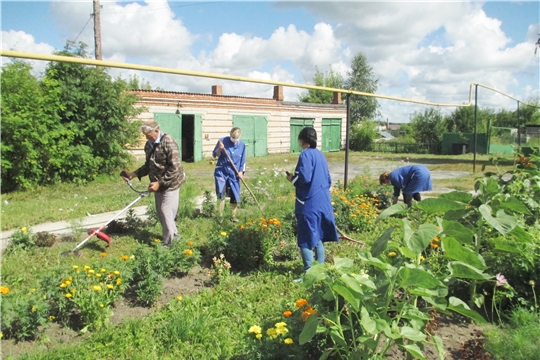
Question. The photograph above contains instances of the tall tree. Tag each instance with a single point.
(330, 80)
(361, 78)
(428, 127)
(96, 108)
(461, 120)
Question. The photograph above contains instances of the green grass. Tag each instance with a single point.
(109, 193)
(518, 339)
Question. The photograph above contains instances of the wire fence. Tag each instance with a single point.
(410, 148)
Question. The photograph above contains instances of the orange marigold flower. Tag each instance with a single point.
(434, 246)
(4, 290)
(124, 257)
(287, 313)
(301, 302)
(189, 243)
(103, 254)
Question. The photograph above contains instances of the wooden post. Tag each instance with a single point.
(97, 29)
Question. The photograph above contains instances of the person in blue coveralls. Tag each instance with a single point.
(313, 207)
(227, 180)
(410, 180)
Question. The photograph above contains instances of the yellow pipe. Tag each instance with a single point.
(70, 59)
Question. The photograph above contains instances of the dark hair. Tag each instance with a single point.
(308, 135)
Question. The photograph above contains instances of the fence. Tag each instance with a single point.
(405, 148)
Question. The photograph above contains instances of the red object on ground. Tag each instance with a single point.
(101, 235)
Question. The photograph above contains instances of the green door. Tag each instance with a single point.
(197, 138)
(296, 126)
(331, 134)
(171, 124)
(254, 133)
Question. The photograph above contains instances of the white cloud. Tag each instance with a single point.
(21, 41)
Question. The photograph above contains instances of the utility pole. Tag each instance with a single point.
(97, 29)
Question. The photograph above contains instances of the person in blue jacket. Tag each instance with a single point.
(227, 180)
(408, 179)
(313, 207)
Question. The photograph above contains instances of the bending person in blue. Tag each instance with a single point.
(313, 207)
(410, 179)
(229, 148)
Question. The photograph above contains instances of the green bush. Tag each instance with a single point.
(362, 135)
(23, 315)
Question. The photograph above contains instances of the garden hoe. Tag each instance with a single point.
(98, 232)
(238, 174)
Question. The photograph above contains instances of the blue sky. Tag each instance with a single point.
(420, 50)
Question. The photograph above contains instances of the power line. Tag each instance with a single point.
(156, 9)
(90, 18)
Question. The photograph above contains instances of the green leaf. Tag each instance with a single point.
(460, 307)
(337, 338)
(454, 250)
(417, 278)
(478, 300)
(490, 188)
(466, 271)
(316, 273)
(514, 204)
(455, 215)
(503, 244)
(439, 302)
(309, 330)
(412, 334)
(503, 223)
(414, 350)
(347, 295)
(439, 346)
(382, 242)
(438, 205)
(459, 196)
(392, 210)
(343, 263)
(368, 323)
(352, 283)
(457, 231)
(521, 235)
(421, 238)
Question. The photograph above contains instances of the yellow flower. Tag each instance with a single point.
(223, 233)
(422, 258)
(288, 341)
(272, 333)
(255, 329)
(116, 272)
(51, 318)
(392, 253)
(91, 271)
(121, 288)
(281, 330)
(34, 309)
(103, 254)
(189, 243)
(258, 336)
(75, 267)
(103, 270)
(179, 298)
(101, 305)
(86, 267)
(24, 230)
(68, 295)
(1, 335)
(73, 291)
(280, 325)
(96, 287)
(63, 285)
(188, 252)
(156, 240)
(118, 281)
(110, 286)
(98, 275)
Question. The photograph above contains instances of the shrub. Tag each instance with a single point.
(45, 239)
(22, 239)
(23, 315)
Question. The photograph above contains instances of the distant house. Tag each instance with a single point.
(394, 129)
(384, 135)
(269, 126)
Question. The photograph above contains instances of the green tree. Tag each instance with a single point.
(330, 80)
(361, 79)
(363, 134)
(461, 120)
(33, 140)
(427, 127)
(95, 108)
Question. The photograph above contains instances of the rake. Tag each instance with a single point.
(343, 236)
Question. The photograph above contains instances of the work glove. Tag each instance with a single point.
(127, 175)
